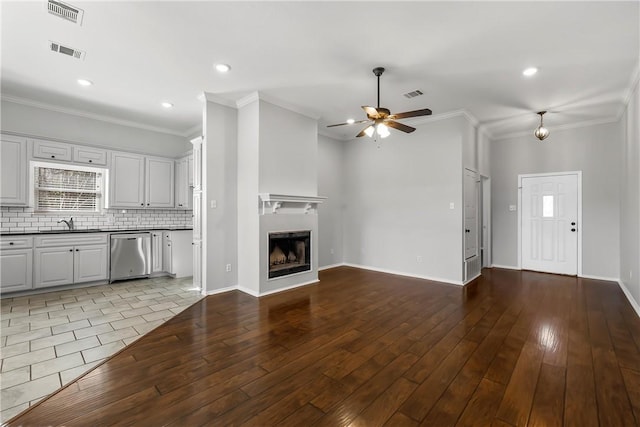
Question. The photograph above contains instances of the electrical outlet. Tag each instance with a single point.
(452, 205)
(136, 219)
(110, 219)
(331, 251)
(228, 268)
(419, 258)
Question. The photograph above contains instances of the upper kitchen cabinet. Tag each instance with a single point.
(127, 180)
(183, 186)
(52, 150)
(90, 156)
(13, 171)
(159, 182)
(141, 182)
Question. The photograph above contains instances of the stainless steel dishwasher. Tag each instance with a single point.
(130, 256)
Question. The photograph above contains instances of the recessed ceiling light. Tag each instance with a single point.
(167, 104)
(84, 82)
(351, 121)
(530, 71)
(222, 68)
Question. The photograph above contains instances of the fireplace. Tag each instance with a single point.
(289, 253)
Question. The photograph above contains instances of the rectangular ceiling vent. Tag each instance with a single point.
(413, 94)
(66, 50)
(65, 11)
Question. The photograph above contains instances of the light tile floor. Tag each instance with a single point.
(50, 339)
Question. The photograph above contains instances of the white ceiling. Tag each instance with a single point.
(318, 57)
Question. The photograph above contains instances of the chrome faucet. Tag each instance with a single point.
(69, 223)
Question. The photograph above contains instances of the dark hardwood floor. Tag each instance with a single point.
(370, 349)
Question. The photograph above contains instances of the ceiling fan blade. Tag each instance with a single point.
(416, 113)
(372, 113)
(399, 126)
(342, 124)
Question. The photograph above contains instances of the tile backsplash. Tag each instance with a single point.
(25, 220)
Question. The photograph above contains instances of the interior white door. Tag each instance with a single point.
(470, 214)
(550, 223)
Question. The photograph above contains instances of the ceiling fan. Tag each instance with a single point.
(380, 119)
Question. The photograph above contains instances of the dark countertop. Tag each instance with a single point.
(96, 230)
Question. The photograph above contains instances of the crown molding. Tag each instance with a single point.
(93, 116)
(260, 96)
(216, 99)
(568, 126)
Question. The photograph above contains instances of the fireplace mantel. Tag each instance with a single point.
(272, 203)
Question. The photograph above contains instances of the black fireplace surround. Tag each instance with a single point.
(289, 253)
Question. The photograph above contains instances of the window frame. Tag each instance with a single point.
(102, 195)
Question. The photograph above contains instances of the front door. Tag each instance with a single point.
(549, 218)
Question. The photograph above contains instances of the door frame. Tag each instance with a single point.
(485, 236)
(579, 199)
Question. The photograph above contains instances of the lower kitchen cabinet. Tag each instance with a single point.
(15, 270)
(157, 260)
(58, 263)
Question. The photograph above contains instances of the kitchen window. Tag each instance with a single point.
(67, 188)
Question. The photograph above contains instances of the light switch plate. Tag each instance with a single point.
(512, 208)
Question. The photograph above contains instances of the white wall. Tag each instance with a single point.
(219, 177)
(288, 152)
(397, 201)
(248, 183)
(49, 124)
(330, 213)
(630, 203)
(594, 150)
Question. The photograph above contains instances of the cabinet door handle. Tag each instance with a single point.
(141, 204)
(77, 250)
(11, 243)
(90, 161)
(70, 250)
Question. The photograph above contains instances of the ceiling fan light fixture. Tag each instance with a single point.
(528, 72)
(382, 130)
(222, 68)
(350, 121)
(369, 131)
(541, 132)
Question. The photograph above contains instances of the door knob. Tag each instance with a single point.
(573, 229)
(573, 223)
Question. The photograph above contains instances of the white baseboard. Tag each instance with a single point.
(275, 291)
(401, 273)
(507, 267)
(608, 279)
(326, 267)
(220, 291)
(633, 302)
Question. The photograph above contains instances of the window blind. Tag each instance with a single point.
(59, 189)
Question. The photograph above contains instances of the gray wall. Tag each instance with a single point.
(594, 150)
(219, 177)
(397, 201)
(49, 124)
(630, 203)
(330, 184)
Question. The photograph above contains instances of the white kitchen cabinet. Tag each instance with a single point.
(53, 266)
(127, 180)
(52, 150)
(197, 263)
(13, 171)
(159, 182)
(190, 170)
(90, 156)
(16, 263)
(90, 263)
(141, 182)
(167, 252)
(197, 163)
(68, 259)
(183, 189)
(156, 252)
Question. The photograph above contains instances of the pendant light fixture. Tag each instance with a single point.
(541, 132)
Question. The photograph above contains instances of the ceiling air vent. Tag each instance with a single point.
(66, 50)
(413, 94)
(65, 11)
